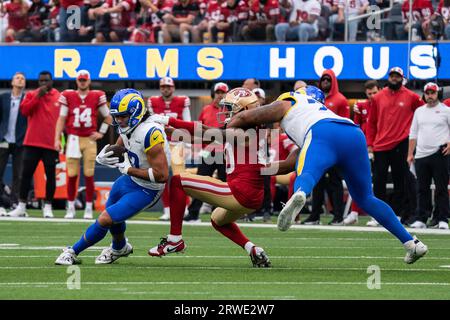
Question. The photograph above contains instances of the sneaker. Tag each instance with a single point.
(70, 213)
(311, 221)
(109, 255)
(67, 258)
(17, 212)
(3, 212)
(290, 210)
(418, 225)
(372, 223)
(165, 247)
(443, 225)
(192, 218)
(259, 258)
(351, 218)
(166, 215)
(336, 222)
(88, 214)
(415, 250)
(47, 212)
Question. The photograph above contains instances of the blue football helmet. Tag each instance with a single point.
(127, 102)
(315, 93)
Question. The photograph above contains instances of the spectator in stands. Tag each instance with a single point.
(212, 157)
(13, 126)
(263, 17)
(68, 32)
(299, 84)
(388, 125)
(331, 180)
(303, 23)
(349, 8)
(430, 137)
(328, 8)
(41, 108)
(251, 84)
(444, 10)
(234, 15)
(51, 26)
(37, 15)
(17, 11)
(211, 16)
(114, 21)
(178, 24)
(361, 111)
(286, 7)
(422, 10)
(88, 21)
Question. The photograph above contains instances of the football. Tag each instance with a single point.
(117, 150)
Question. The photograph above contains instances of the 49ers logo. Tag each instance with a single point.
(241, 92)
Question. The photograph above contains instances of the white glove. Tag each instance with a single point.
(125, 165)
(159, 118)
(104, 158)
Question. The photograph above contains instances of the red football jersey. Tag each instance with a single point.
(421, 10)
(164, 6)
(240, 12)
(213, 11)
(121, 19)
(281, 147)
(17, 18)
(81, 112)
(243, 167)
(174, 108)
(268, 11)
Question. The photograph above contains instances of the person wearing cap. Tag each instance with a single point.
(78, 118)
(13, 126)
(430, 138)
(387, 134)
(208, 166)
(41, 107)
(177, 107)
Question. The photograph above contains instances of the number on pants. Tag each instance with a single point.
(83, 117)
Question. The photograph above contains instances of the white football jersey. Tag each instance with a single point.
(303, 114)
(144, 137)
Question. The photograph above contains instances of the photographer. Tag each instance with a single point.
(430, 137)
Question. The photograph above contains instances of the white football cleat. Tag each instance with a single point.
(47, 211)
(109, 255)
(415, 249)
(351, 218)
(67, 257)
(88, 213)
(418, 225)
(290, 210)
(166, 215)
(372, 223)
(17, 212)
(443, 225)
(259, 258)
(70, 213)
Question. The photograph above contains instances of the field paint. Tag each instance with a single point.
(445, 266)
(244, 224)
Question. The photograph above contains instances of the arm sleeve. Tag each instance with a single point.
(104, 111)
(414, 127)
(29, 104)
(64, 111)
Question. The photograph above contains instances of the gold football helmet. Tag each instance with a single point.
(235, 101)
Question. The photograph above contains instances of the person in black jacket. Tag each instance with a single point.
(13, 126)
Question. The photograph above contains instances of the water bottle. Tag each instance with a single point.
(185, 36)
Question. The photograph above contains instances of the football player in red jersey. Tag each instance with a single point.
(78, 116)
(177, 107)
(242, 193)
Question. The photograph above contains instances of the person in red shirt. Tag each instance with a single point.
(263, 16)
(78, 116)
(41, 107)
(422, 10)
(208, 155)
(176, 107)
(234, 15)
(361, 111)
(17, 11)
(116, 20)
(212, 16)
(387, 133)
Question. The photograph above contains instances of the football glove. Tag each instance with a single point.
(125, 165)
(104, 158)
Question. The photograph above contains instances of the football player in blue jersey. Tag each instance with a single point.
(326, 140)
(145, 172)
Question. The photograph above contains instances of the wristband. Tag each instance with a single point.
(103, 128)
(150, 175)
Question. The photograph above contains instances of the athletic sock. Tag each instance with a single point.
(177, 205)
(248, 246)
(94, 233)
(90, 187)
(71, 188)
(232, 232)
(173, 238)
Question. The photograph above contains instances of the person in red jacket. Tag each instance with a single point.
(41, 107)
(387, 133)
(331, 180)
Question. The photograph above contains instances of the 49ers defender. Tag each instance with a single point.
(78, 116)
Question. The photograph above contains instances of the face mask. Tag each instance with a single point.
(394, 86)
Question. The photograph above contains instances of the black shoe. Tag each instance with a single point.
(336, 222)
(311, 220)
(192, 217)
(434, 224)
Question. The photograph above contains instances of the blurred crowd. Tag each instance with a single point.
(202, 21)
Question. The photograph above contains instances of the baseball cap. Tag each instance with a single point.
(83, 74)
(259, 92)
(396, 70)
(221, 86)
(166, 81)
(431, 86)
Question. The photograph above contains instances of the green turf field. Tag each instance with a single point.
(307, 264)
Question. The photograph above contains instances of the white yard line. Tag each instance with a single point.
(252, 225)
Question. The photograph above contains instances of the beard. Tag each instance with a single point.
(394, 85)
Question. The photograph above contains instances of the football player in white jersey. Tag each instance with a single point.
(145, 172)
(326, 140)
